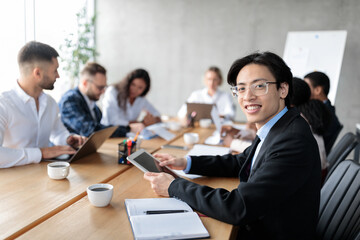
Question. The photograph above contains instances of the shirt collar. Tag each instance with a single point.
(205, 91)
(23, 95)
(264, 130)
(90, 103)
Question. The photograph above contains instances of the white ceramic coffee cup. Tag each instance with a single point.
(58, 170)
(205, 122)
(100, 194)
(191, 138)
(174, 126)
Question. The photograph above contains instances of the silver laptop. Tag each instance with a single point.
(91, 145)
(203, 110)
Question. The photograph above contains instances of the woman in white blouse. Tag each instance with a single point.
(124, 101)
(212, 95)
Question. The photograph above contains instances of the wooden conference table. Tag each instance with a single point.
(33, 206)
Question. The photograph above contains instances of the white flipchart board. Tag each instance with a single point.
(323, 51)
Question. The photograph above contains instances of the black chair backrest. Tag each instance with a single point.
(341, 150)
(339, 214)
(332, 140)
(358, 236)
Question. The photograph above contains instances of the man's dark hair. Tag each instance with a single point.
(319, 79)
(36, 51)
(93, 68)
(302, 92)
(315, 111)
(273, 62)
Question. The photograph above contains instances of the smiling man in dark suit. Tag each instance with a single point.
(78, 108)
(279, 191)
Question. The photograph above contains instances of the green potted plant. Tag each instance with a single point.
(79, 48)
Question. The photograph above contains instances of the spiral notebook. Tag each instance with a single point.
(163, 218)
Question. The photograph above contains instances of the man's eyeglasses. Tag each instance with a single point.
(100, 88)
(258, 88)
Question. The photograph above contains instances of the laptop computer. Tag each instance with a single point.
(91, 145)
(203, 110)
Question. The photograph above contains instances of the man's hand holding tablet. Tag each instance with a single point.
(171, 161)
(157, 171)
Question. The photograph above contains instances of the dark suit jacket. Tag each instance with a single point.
(333, 129)
(278, 199)
(77, 118)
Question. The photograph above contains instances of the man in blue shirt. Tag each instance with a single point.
(78, 108)
(279, 191)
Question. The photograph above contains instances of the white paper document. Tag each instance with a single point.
(160, 130)
(146, 223)
(200, 149)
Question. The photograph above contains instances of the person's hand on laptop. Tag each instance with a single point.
(76, 141)
(55, 151)
(171, 161)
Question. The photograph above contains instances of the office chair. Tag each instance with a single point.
(358, 236)
(339, 213)
(342, 149)
(333, 138)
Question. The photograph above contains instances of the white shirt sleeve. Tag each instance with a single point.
(59, 133)
(112, 113)
(150, 108)
(10, 157)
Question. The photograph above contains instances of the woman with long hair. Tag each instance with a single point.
(124, 102)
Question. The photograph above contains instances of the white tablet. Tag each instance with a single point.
(147, 163)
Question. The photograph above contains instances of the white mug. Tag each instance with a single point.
(100, 194)
(58, 170)
(205, 122)
(191, 138)
(173, 126)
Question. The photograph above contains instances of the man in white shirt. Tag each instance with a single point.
(29, 118)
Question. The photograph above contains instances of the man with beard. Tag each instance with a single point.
(78, 108)
(29, 118)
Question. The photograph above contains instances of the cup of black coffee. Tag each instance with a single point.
(100, 194)
(58, 170)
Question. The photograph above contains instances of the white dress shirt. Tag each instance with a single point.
(114, 115)
(24, 130)
(90, 104)
(222, 100)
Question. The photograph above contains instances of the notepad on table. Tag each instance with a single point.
(149, 221)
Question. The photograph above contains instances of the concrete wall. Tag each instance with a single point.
(176, 41)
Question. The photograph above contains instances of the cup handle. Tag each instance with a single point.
(64, 172)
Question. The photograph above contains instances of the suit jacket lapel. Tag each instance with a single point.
(245, 170)
(84, 104)
(98, 114)
(281, 124)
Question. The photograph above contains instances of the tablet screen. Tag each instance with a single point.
(148, 162)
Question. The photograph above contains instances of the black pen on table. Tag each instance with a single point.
(174, 146)
(164, 211)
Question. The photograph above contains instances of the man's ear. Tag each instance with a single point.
(37, 73)
(318, 90)
(284, 90)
